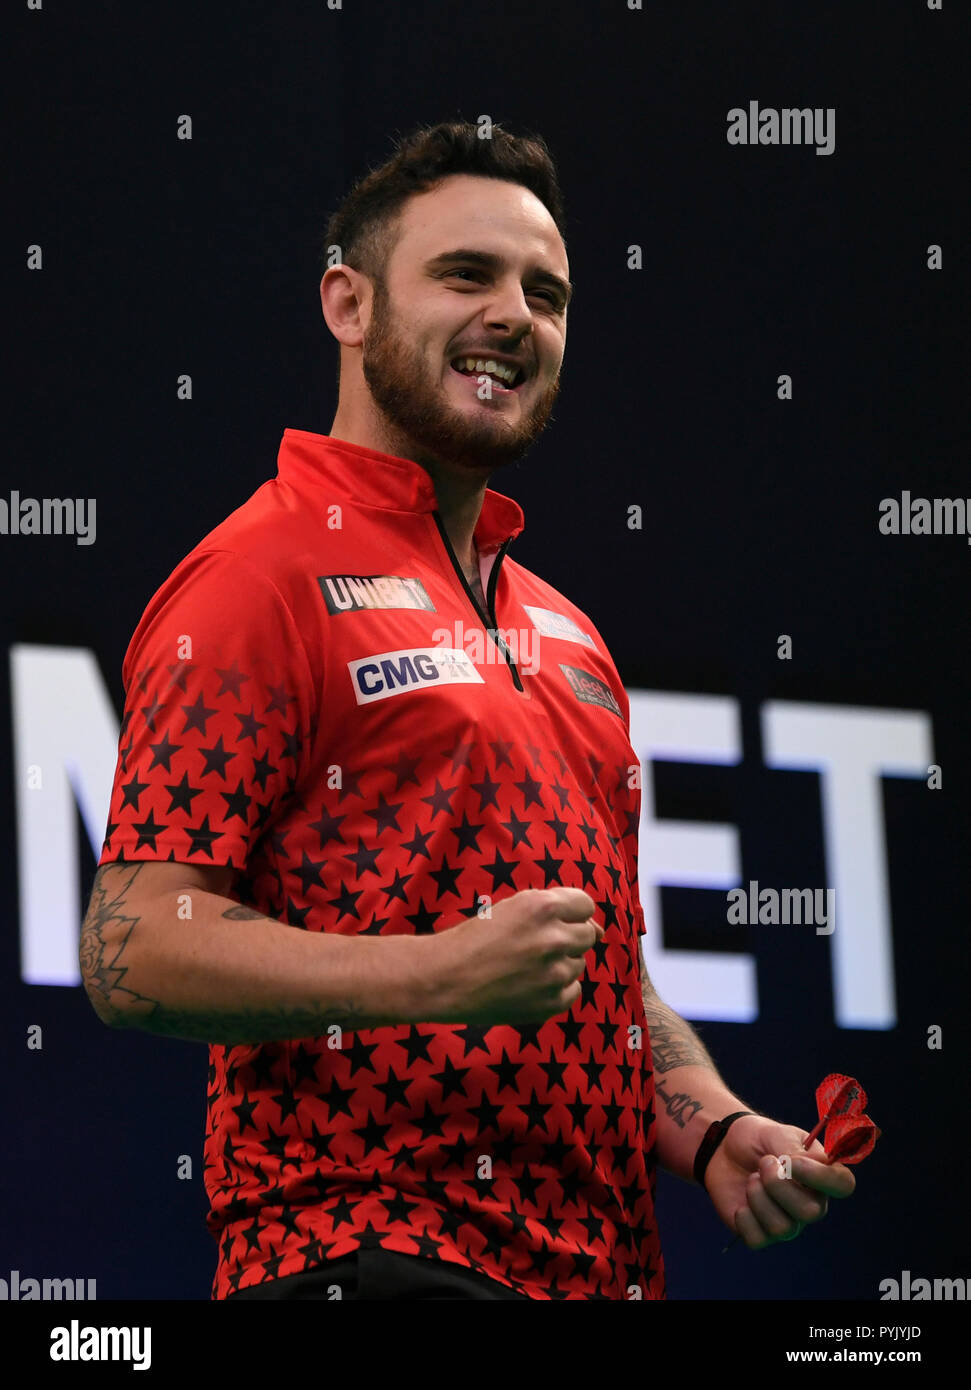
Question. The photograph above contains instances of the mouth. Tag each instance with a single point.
(506, 379)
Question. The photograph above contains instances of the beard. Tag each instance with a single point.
(422, 421)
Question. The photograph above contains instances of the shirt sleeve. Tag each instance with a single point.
(638, 911)
(217, 717)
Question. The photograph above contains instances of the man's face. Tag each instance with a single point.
(438, 307)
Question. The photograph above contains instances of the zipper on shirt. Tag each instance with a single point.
(489, 620)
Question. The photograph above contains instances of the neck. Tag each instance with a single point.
(459, 504)
(459, 491)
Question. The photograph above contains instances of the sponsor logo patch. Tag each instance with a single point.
(395, 673)
(591, 689)
(350, 593)
(552, 624)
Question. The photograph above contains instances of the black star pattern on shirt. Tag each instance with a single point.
(405, 770)
(132, 791)
(181, 796)
(519, 830)
(440, 799)
(163, 752)
(385, 814)
(197, 715)
(237, 803)
(446, 876)
(487, 791)
(314, 1149)
(202, 838)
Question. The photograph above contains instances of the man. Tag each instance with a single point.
(373, 834)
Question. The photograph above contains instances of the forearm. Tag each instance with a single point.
(690, 1094)
(230, 975)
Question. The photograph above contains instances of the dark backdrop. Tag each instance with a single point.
(164, 256)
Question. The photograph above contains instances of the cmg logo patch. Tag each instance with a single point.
(393, 673)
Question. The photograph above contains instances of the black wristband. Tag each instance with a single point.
(714, 1134)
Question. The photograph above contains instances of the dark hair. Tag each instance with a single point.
(364, 225)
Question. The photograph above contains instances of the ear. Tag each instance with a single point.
(345, 296)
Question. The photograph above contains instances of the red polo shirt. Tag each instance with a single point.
(315, 698)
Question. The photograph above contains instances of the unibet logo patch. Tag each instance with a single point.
(590, 689)
(552, 624)
(350, 593)
(393, 673)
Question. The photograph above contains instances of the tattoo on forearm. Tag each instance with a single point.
(251, 1026)
(239, 913)
(100, 960)
(105, 935)
(674, 1043)
(680, 1106)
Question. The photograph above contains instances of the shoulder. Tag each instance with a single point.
(261, 552)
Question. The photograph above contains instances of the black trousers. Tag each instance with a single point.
(381, 1274)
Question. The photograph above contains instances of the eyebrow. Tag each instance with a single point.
(489, 261)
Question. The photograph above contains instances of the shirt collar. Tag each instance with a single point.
(384, 481)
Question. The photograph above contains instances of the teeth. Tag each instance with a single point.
(507, 375)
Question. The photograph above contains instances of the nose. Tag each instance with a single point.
(507, 312)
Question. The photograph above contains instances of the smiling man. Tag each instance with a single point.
(391, 884)
(462, 377)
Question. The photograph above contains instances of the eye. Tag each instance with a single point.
(551, 297)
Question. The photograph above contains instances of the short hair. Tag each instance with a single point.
(364, 225)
